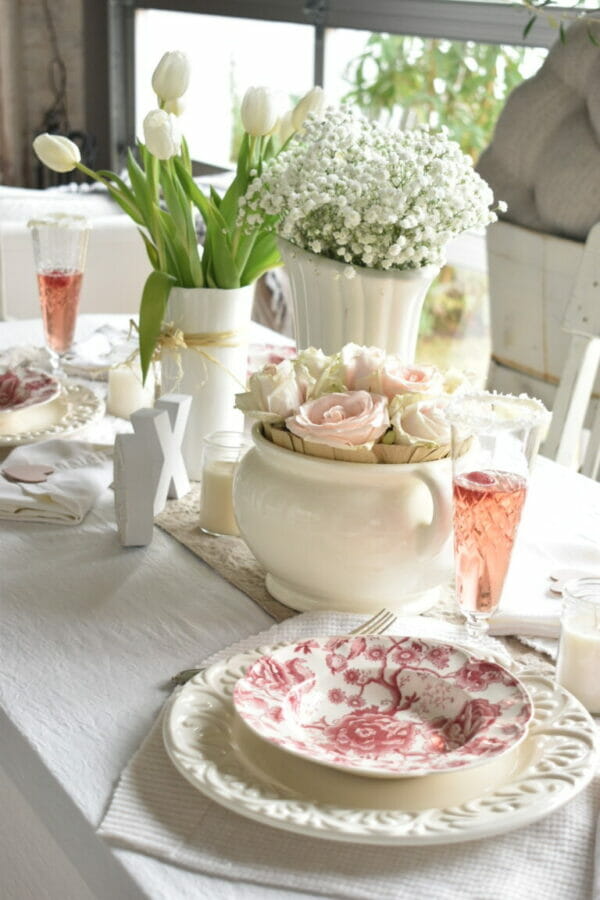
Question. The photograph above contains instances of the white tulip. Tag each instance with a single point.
(176, 107)
(57, 152)
(260, 111)
(285, 128)
(171, 76)
(161, 134)
(313, 102)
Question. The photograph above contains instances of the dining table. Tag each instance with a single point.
(90, 635)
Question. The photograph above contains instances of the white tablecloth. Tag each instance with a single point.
(90, 633)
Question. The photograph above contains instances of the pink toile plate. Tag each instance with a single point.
(384, 706)
(24, 386)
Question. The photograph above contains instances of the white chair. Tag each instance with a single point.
(574, 395)
(539, 346)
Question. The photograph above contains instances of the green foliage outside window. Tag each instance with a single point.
(410, 80)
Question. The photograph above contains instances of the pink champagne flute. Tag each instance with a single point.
(59, 247)
(495, 438)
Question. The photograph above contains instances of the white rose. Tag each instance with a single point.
(457, 381)
(423, 422)
(361, 367)
(311, 366)
(274, 392)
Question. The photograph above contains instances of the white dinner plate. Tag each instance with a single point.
(74, 409)
(211, 747)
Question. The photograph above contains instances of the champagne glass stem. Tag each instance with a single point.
(477, 625)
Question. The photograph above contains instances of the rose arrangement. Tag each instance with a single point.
(351, 190)
(163, 199)
(358, 405)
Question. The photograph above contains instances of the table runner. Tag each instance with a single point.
(155, 811)
(229, 556)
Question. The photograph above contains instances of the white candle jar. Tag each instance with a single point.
(578, 667)
(222, 451)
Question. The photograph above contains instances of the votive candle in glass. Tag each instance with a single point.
(578, 666)
(222, 452)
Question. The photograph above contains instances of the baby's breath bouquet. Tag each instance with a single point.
(351, 190)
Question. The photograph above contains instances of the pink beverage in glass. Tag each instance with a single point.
(59, 299)
(487, 511)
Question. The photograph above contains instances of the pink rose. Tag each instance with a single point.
(341, 420)
(361, 367)
(277, 678)
(369, 733)
(397, 378)
(476, 716)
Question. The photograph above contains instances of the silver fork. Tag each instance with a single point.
(377, 624)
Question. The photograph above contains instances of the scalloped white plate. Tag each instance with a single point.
(210, 745)
(73, 410)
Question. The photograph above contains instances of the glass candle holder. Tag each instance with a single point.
(222, 451)
(578, 666)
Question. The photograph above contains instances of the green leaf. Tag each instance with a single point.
(152, 310)
(264, 256)
(185, 155)
(529, 26)
(124, 188)
(141, 189)
(150, 250)
(218, 259)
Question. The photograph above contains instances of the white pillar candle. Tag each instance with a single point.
(126, 393)
(578, 668)
(216, 497)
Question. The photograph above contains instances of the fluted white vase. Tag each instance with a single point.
(375, 307)
(212, 377)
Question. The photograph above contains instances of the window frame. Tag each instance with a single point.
(110, 40)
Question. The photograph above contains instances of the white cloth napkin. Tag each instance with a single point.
(155, 811)
(81, 472)
(553, 536)
(94, 356)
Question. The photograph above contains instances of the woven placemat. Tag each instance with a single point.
(229, 556)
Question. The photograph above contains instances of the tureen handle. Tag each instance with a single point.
(433, 537)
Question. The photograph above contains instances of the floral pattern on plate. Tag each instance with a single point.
(384, 706)
(25, 386)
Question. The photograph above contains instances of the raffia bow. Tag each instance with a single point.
(174, 340)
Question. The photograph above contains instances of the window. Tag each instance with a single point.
(352, 48)
(227, 54)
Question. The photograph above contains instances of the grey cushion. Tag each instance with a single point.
(544, 159)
